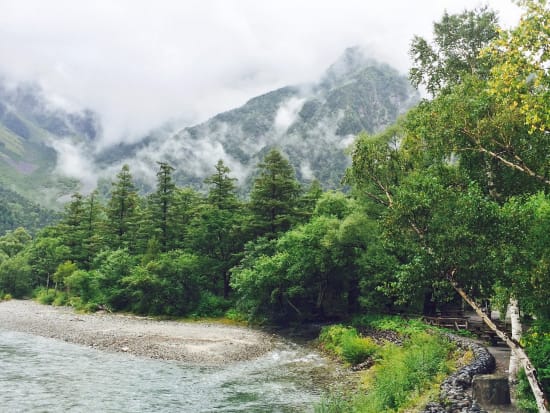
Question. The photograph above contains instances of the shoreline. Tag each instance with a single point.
(205, 343)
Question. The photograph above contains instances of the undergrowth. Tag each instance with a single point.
(404, 377)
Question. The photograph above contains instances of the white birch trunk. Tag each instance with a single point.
(524, 361)
(515, 321)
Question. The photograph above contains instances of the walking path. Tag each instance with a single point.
(501, 353)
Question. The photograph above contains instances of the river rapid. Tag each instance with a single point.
(39, 374)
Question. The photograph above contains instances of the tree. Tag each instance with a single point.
(222, 192)
(44, 255)
(311, 271)
(73, 229)
(187, 205)
(14, 241)
(525, 248)
(495, 121)
(519, 77)
(494, 125)
(93, 228)
(16, 276)
(64, 270)
(215, 231)
(274, 196)
(169, 285)
(121, 211)
(162, 203)
(458, 41)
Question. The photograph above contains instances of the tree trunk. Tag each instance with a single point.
(530, 372)
(513, 369)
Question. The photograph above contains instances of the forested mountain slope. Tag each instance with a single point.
(30, 129)
(312, 124)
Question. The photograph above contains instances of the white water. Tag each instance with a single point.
(45, 375)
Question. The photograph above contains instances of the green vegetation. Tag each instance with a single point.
(453, 197)
(402, 376)
(345, 343)
(16, 211)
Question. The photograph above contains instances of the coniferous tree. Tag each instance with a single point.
(186, 206)
(121, 211)
(216, 232)
(93, 239)
(73, 229)
(274, 197)
(222, 188)
(162, 203)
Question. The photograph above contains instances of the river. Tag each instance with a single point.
(39, 374)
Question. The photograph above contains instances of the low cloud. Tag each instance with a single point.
(73, 160)
(287, 113)
(141, 63)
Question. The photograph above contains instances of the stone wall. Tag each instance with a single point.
(456, 395)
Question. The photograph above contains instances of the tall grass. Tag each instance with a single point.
(402, 378)
(404, 373)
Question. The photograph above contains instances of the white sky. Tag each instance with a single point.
(140, 63)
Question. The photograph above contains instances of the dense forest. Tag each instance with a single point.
(16, 211)
(454, 196)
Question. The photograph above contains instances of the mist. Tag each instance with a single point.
(139, 64)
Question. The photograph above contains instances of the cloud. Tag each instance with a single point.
(141, 63)
(73, 160)
(287, 113)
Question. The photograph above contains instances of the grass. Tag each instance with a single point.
(404, 377)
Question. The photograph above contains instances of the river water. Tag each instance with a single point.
(44, 375)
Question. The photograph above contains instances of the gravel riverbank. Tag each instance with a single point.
(193, 342)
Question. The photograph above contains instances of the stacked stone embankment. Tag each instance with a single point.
(455, 394)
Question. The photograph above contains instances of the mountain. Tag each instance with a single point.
(30, 129)
(46, 151)
(312, 124)
(17, 211)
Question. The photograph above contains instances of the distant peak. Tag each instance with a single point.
(350, 62)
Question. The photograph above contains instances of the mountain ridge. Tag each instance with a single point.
(311, 123)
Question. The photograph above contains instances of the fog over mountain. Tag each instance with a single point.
(88, 86)
(139, 63)
(311, 123)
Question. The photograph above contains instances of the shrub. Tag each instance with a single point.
(7, 297)
(344, 342)
(356, 350)
(537, 346)
(61, 298)
(45, 296)
(211, 305)
(392, 323)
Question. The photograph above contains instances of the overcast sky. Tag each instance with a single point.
(140, 63)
